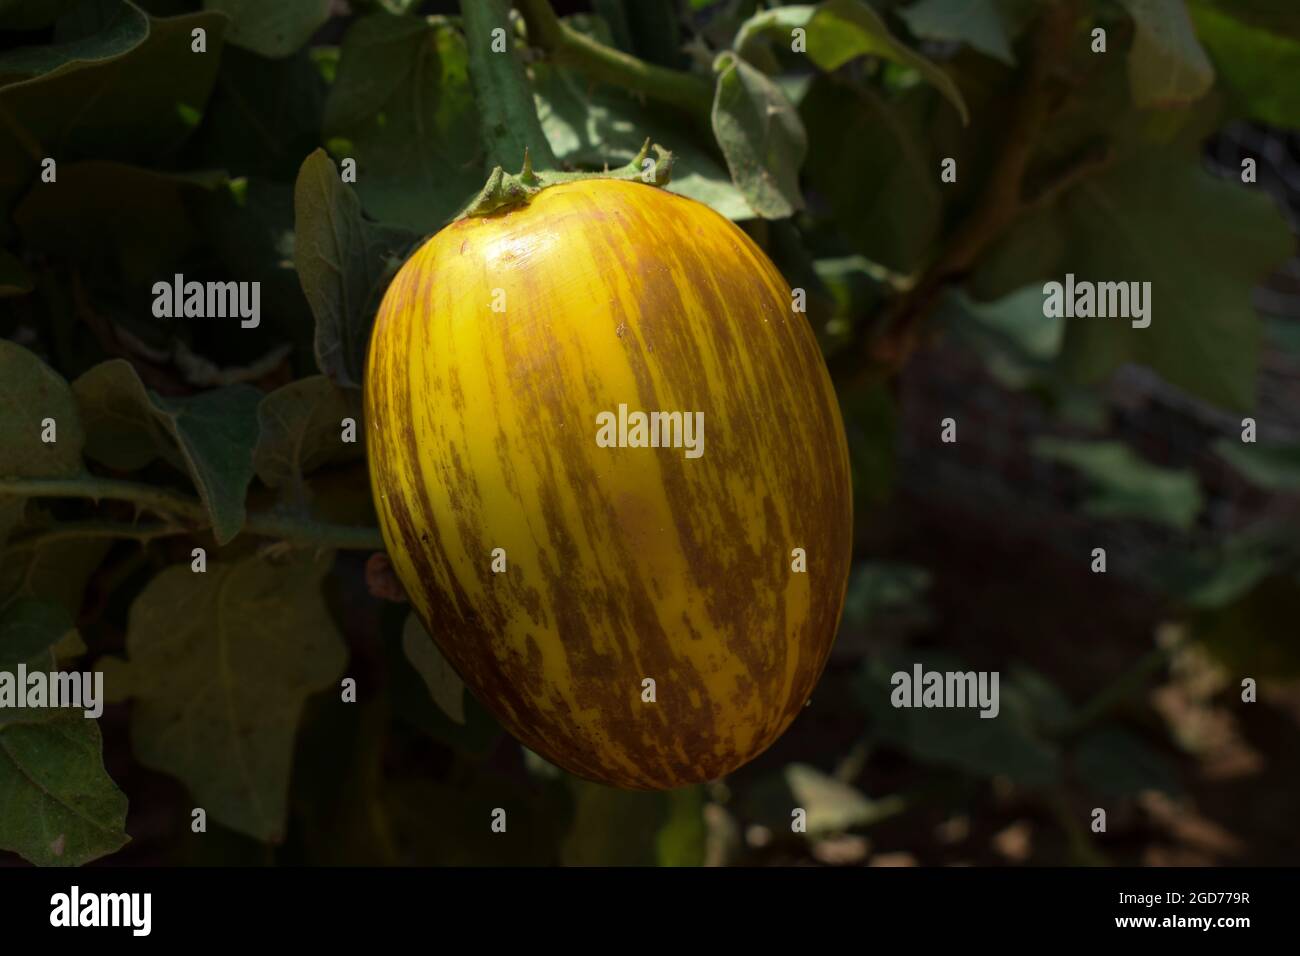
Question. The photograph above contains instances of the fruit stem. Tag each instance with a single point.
(504, 190)
(507, 112)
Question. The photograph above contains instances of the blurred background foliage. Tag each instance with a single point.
(1121, 680)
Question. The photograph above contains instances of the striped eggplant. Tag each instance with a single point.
(645, 600)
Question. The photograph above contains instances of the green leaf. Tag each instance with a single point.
(271, 29)
(133, 117)
(211, 435)
(1050, 709)
(445, 686)
(1033, 249)
(1018, 343)
(61, 806)
(402, 100)
(878, 587)
(1167, 65)
(30, 393)
(761, 137)
(981, 24)
(127, 28)
(476, 738)
(264, 115)
(590, 125)
(842, 30)
(1255, 635)
(868, 161)
(51, 568)
(1125, 486)
(1214, 576)
(220, 664)
(1112, 762)
(1250, 60)
(340, 258)
(30, 632)
(1274, 467)
(1008, 745)
(1201, 242)
(29, 629)
(300, 429)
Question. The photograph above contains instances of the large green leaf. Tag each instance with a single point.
(983, 24)
(29, 631)
(762, 137)
(271, 29)
(210, 435)
(868, 162)
(127, 28)
(402, 102)
(1167, 65)
(114, 109)
(590, 126)
(1008, 745)
(343, 263)
(219, 666)
(264, 115)
(53, 569)
(842, 30)
(1112, 762)
(301, 429)
(1202, 243)
(30, 392)
(60, 805)
(1126, 486)
(1252, 60)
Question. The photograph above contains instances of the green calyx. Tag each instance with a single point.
(504, 190)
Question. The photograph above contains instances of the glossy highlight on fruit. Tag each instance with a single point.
(495, 349)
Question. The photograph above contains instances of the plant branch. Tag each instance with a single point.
(185, 515)
(603, 64)
(1002, 202)
(507, 113)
